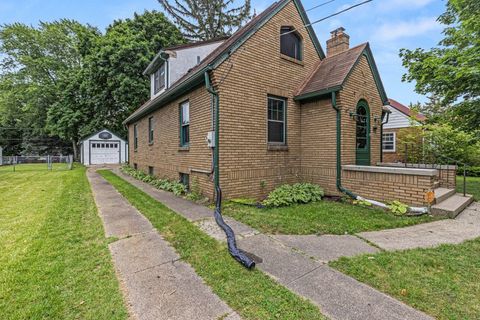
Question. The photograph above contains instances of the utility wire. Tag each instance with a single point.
(245, 48)
(319, 5)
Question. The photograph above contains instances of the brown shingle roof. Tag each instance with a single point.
(405, 110)
(331, 71)
(221, 49)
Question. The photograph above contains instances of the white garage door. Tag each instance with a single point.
(104, 152)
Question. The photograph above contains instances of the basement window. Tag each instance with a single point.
(185, 180)
(135, 166)
(276, 120)
(290, 43)
(151, 171)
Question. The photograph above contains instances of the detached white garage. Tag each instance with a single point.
(103, 147)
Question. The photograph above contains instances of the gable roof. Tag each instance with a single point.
(405, 110)
(332, 72)
(195, 76)
(163, 54)
(103, 130)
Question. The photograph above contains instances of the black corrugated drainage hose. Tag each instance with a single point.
(236, 253)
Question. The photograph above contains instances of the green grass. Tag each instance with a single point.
(54, 261)
(473, 186)
(323, 217)
(252, 294)
(442, 281)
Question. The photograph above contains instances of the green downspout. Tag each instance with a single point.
(215, 103)
(339, 149)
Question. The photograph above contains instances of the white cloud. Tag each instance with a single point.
(406, 29)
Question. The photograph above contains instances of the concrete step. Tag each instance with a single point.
(442, 194)
(452, 206)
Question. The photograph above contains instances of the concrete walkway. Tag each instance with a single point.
(466, 226)
(155, 282)
(301, 266)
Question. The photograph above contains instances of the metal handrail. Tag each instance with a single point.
(437, 155)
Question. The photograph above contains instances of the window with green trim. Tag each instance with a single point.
(135, 137)
(184, 123)
(150, 130)
(276, 120)
(290, 43)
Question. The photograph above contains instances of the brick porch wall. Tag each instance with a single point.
(409, 188)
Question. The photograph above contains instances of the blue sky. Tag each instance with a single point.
(387, 24)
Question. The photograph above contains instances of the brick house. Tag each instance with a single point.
(288, 112)
(401, 119)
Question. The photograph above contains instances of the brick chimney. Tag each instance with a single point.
(339, 41)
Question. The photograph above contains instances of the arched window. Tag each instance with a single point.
(290, 43)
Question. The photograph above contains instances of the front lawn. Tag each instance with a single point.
(473, 186)
(442, 281)
(253, 294)
(323, 217)
(54, 261)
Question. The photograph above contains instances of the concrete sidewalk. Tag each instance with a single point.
(466, 226)
(155, 282)
(299, 264)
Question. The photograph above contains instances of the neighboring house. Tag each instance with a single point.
(103, 147)
(288, 112)
(401, 118)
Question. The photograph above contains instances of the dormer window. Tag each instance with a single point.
(159, 79)
(290, 43)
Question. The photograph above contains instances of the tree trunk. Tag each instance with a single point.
(75, 150)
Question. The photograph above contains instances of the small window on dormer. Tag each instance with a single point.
(290, 43)
(159, 79)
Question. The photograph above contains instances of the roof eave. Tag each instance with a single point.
(151, 66)
(317, 94)
(184, 87)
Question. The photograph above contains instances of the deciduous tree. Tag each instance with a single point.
(451, 71)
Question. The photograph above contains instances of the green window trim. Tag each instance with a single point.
(150, 130)
(276, 120)
(135, 137)
(184, 123)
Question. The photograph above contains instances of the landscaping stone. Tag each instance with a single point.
(327, 247)
(156, 283)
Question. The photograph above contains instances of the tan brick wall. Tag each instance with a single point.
(319, 135)
(409, 189)
(360, 85)
(248, 167)
(165, 155)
